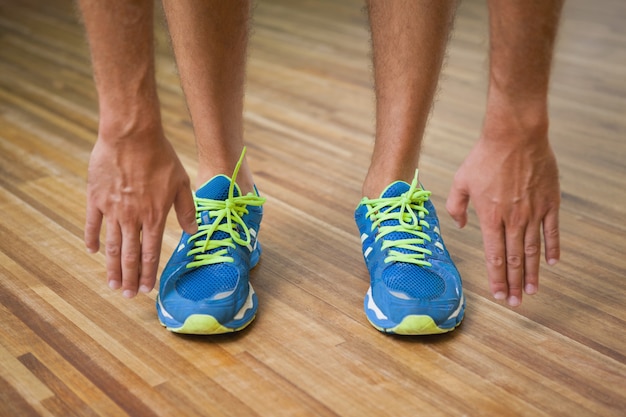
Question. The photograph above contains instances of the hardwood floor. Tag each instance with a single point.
(71, 347)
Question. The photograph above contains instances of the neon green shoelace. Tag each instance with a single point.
(409, 218)
(231, 210)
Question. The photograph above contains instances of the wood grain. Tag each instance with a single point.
(69, 346)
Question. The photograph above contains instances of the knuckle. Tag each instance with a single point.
(514, 261)
(130, 257)
(495, 260)
(149, 258)
(531, 250)
(112, 249)
(552, 232)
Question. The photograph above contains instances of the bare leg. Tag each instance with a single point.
(409, 38)
(210, 40)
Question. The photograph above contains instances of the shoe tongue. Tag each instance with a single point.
(395, 189)
(217, 188)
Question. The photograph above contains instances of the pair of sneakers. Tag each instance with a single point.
(415, 288)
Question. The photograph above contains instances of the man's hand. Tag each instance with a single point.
(512, 180)
(511, 175)
(133, 182)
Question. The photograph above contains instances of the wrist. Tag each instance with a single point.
(130, 121)
(511, 117)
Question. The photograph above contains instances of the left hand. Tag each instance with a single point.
(512, 179)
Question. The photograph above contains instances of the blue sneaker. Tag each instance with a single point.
(415, 287)
(204, 287)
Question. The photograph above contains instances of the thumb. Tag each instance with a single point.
(456, 205)
(186, 210)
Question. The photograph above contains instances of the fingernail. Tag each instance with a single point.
(552, 261)
(513, 301)
(458, 225)
(128, 293)
(499, 295)
(114, 285)
(144, 289)
(530, 289)
(91, 251)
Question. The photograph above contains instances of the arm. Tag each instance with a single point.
(134, 175)
(511, 174)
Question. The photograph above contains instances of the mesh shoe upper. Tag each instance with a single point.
(214, 279)
(415, 281)
(207, 275)
(410, 269)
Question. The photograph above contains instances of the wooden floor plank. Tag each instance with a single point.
(69, 346)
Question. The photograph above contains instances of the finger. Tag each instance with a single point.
(532, 251)
(113, 250)
(93, 224)
(551, 236)
(456, 204)
(493, 241)
(515, 264)
(151, 238)
(186, 210)
(130, 260)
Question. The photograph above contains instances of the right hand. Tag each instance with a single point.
(133, 180)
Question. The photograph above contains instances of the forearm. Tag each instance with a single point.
(120, 35)
(522, 37)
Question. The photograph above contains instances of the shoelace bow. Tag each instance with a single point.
(410, 218)
(228, 218)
